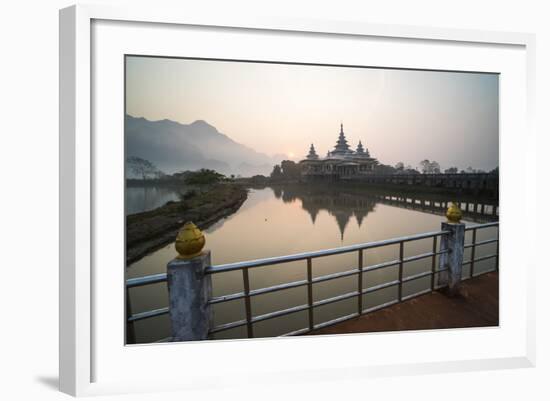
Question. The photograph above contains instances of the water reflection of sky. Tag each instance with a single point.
(141, 199)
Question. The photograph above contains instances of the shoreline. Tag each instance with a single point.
(149, 231)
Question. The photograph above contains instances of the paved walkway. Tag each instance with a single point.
(475, 306)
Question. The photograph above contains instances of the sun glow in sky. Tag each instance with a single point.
(399, 115)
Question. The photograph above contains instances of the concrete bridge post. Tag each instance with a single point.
(453, 242)
(189, 287)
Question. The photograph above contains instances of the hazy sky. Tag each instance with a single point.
(399, 115)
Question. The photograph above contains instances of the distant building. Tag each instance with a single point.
(339, 163)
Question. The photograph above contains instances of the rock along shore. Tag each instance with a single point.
(148, 231)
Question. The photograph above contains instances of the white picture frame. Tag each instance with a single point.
(84, 352)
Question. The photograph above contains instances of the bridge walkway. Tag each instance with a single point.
(475, 306)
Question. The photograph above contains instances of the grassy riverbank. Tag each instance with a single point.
(151, 230)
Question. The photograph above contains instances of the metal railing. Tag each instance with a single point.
(247, 294)
(475, 244)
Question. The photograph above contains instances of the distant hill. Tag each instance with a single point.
(173, 147)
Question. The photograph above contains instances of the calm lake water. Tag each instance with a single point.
(142, 199)
(287, 220)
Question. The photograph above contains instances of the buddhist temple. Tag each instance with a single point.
(340, 163)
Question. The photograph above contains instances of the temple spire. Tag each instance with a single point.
(360, 149)
(312, 155)
(342, 144)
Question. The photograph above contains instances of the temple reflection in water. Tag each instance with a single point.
(345, 202)
(342, 206)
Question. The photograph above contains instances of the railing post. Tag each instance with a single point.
(473, 253)
(247, 303)
(130, 328)
(360, 283)
(310, 294)
(400, 272)
(453, 243)
(189, 287)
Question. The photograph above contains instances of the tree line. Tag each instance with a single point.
(147, 171)
(427, 166)
(290, 171)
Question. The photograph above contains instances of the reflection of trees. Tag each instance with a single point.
(289, 197)
(278, 192)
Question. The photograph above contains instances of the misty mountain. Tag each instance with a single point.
(174, 147)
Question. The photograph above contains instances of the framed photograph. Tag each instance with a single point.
(281, 194)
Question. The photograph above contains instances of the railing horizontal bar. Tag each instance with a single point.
(335, 321)
(335, 275)
(479, 243)
(379, 287)
(226, 298)
(315, 254)
(417, 276)
(418, 257)
(336, 298)
(227, 326)
(417, 294)
(278, 287)
(480, 259)
(381, 265)
(278, 313)
(259, 291)
(145, 280)
(296, 332)
(381, 306)
(485, 225)
(145, 315)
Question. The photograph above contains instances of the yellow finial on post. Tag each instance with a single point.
(190, 241)
(454, 214)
